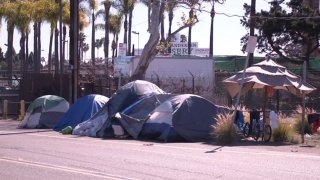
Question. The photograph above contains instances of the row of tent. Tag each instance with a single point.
(139, 109)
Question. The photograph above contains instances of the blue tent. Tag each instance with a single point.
(81, 110)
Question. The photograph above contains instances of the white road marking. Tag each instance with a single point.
(65, 168)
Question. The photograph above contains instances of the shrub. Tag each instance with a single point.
(295, 138)
(298, 124)
(224, 131)
(282, 133)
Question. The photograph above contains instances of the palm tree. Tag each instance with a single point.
(42, 10)
(148, 4)
(85, 48)
(93, 6)
(192, 16)
(170, 7)
(105, 26)
(52, 18)
(115, 28)
(107, 5)
(82, 38)
(98, 44)
(9, 13)
(23, 22)
(212, 15)
(125, 7)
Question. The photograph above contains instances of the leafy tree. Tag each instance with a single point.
(152, 47)
(291, 33)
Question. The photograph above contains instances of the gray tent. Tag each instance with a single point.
(171, 118)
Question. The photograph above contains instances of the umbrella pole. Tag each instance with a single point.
(303, 116)
(265, 100)
(241, 86)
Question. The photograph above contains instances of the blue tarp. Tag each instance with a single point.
(82, 110)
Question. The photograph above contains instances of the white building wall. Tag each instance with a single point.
(178, 72)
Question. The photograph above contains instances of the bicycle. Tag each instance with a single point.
(259, 129)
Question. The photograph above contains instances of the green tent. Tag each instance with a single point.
(45, 112)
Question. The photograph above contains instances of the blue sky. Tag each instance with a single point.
(227, 30)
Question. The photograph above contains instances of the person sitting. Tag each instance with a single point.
(273, 119)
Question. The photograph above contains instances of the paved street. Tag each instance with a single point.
(45, 154)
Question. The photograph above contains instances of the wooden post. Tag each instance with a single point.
(5, 109)
(22, 110)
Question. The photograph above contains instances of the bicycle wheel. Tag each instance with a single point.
(256, 132)
(246, 130)
(267, 133)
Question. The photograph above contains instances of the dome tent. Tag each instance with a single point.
(44, 112)
(171, 118)
(84, 108)
(100, 124)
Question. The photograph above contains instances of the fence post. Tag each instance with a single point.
(5, 109)
(22, 110)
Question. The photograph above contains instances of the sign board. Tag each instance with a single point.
(122, 65)
(251, 45)
(181, 48)
(122, 49)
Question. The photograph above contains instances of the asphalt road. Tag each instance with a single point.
(43, 154)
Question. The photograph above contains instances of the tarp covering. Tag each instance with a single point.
(267, 74)
(189, 117)
(101, 123)
(83, 109)
(45, 112)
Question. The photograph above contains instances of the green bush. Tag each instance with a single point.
(224, 131)
(283, 133)
(307, 126)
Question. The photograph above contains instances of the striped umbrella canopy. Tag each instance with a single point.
(267, 74)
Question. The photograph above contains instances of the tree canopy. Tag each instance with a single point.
(289, 29)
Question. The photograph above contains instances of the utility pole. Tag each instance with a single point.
(74, 50)
(61, 50)
(252, 20)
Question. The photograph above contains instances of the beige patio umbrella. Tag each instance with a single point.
(267, 74)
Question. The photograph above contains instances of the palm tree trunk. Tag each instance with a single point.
(125, 29)
(25, 67)
(162, 30)
(10, 50)
(39, 47)
(106, 31)
(189, 33)
(169, 32)
(129, 32)
(22, 50)
(35, 46)
(117, 40)
(56, 53)
(64, 45)
(211, 31)
(50, 51)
